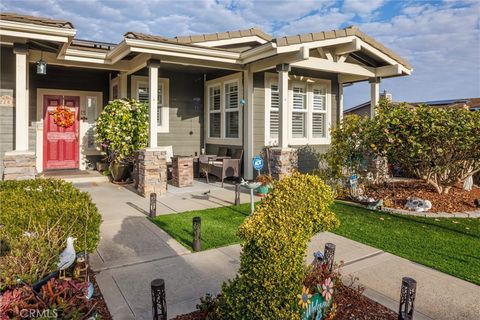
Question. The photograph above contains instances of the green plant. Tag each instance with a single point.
(347, 154)
(275, 239)
(122, 128)
(440, 145)
(36, 217)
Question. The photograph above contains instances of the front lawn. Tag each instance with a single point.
(449, 245)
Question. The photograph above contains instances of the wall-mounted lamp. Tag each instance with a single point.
(41, 66)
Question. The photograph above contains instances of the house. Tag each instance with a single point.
(364, 109)
(241, 89)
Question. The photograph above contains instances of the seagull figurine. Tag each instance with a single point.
(67, 257)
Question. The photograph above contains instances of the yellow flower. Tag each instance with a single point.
(304, 298)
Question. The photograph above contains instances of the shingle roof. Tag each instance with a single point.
(36, 20)
(193, 39)
(334, 34)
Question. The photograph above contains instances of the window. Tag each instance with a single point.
(231, 110)
(274, 111)
(299, 111)
(142, 96)
(214, 112)
(91, 117)
(319, 112)
(140, 89)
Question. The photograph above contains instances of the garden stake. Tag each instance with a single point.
(407, 298)
(159, 304)
(197, 245)
(237, 194)
(329, 254)
(153, 205)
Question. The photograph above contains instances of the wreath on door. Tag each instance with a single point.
(63, 116)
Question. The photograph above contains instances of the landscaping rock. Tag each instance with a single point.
(418, 205)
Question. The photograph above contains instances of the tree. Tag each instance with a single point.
(439, 145)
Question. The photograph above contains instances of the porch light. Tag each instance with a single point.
(41, 66)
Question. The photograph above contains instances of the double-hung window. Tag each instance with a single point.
(319, 112)
(299, 111)
(223, 112)
(214, 112)
(140, 91)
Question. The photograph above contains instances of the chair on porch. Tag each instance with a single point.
(222, 167)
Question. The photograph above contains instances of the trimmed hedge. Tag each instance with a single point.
(43, 212)
(275, 239)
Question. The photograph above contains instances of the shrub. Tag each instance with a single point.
(36, 217)
(347, 154)
(274, 241)
(122, 128)
(440, 145)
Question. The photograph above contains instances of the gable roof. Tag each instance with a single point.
(223, 36)
(8, 16)
(334, 34)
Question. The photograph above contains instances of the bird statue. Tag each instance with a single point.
(67, 257)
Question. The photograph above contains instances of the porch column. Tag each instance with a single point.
(21, 97)
(374, 95)
(283, 127)
(248, 132)
(153, 66)
(340, 102)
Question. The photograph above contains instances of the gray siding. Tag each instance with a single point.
(186, 111)
(362, 112)
(7, 114)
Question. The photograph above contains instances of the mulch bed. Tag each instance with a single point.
(395, 195)
(100, 305)
(351, 304)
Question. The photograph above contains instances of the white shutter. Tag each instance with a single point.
(319, 112)
(274, 110)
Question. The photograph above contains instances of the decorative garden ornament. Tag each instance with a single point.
(468, 184)
(67, 257)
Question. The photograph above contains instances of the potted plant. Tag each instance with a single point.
(121, 129)
(266, 182)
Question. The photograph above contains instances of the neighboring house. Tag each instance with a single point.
(364, 109)
(241, 89)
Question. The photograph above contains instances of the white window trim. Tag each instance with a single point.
(272, 78)
(165, 109)
(237, 77)
(114, 82)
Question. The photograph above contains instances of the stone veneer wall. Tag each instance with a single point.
(152, 172)
(283, 162)
(182, 171)
(19, 165)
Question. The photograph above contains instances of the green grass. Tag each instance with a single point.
(450, 245)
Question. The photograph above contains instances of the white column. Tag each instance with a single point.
(340, 101)
(374, 95)
(283, 127)
(248, 131)
(123, 84)
(153, 102)
(21, 97)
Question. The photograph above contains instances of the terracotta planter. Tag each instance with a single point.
(120, 171)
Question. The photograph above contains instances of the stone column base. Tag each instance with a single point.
(283, 161)
(19, 165)
(152, 172)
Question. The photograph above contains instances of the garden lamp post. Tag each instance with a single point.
(159, 304)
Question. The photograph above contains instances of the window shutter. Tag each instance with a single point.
(298, 125)
(274, 110)
(318, 125)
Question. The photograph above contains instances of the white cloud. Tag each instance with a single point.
(361, 7)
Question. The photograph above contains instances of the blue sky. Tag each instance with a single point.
(441, 39)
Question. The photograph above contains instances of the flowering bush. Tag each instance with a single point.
(122, 128)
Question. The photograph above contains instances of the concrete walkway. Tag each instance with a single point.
(133, 251)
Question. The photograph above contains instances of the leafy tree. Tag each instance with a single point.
(439, 145)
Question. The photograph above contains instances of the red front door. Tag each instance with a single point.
(60, 145)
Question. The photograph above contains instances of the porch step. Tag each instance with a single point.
(75, 176)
